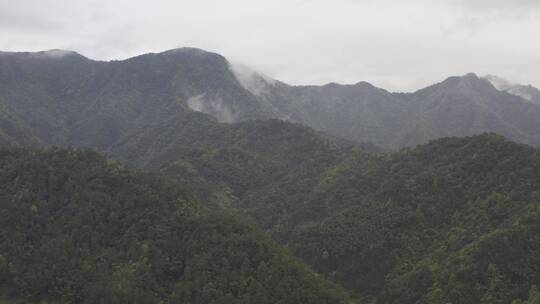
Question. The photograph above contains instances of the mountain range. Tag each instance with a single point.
(77, 228)
(60, 97)
(527, 92)
(257, 191)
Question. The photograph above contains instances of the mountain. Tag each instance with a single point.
(458, 106)
(451, 220)
(360, 112)
(258, 168)
(455, 220)
(527, 92)
(68, 99)
(468, 105)
(393, 227)
(62, 98)
(77, 228)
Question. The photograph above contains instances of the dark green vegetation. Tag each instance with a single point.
(76, 228)
(452, 221)
(456, 220)
(71, 100)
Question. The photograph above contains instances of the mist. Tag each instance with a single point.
(398, 45)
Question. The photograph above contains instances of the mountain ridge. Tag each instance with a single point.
(433, 223)
(527, 92)
(78, 228)
(89, 103)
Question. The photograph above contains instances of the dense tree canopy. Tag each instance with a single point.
(77, 228)
(440, 221)
(452, 221)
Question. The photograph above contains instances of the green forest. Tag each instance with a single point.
(77, 228)
(456, 220)
(113, 189)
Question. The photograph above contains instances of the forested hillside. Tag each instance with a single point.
(425, 225)
(76, 228)
(68, 99)
(234, 160)
(63, 98)
(455, 220)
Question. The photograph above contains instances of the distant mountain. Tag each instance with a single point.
(458, 106)
(527, 92)
(62, 98)
(455, 220)
(468, 105)
(360, 112)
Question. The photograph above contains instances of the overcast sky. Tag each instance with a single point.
(400, 45)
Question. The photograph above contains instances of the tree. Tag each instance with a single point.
(497, 290)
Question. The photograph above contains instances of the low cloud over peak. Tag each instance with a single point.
(400, 45)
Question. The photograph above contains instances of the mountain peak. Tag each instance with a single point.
(57, 53)
(470, 78)
(365, 84)
(360, 84)
(184, 54)
(527, 92)
(186, 50)
(192, 52)
(467, 82)
(48, 54)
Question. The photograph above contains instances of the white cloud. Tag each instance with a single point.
(397, 44)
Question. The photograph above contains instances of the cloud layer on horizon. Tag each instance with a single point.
(395, 44)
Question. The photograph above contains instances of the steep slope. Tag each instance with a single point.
(62, 98)
(371, 222)
(442, 222)
(224, 163)
(458, 106)
(452, 221)
(14, 131)
(77, 229)
(30, 83)
(464, 106)
(527, 92)
(455, 220)
(360, 112)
